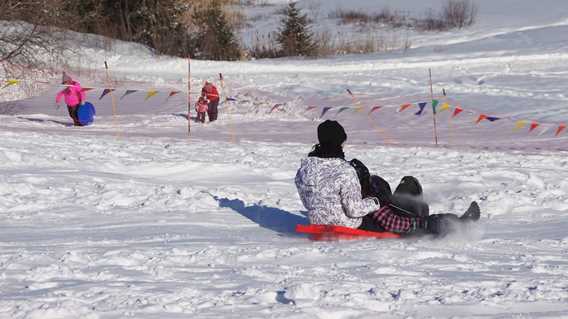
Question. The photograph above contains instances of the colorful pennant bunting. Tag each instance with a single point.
(560, 128)
(374, 108)
(457, 111)
(434, 104)
(533, 126)
(421, 105)
(481, 118)
(310, 108)
(345, 108)
(128, 92)
(404, 107)
(105, 92)
(324, 110)
(444, 106)
(275, 107)
(520, 124)
(10, 83)
(150, 94)
(172, 93)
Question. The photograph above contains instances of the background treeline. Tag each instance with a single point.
(202, 28)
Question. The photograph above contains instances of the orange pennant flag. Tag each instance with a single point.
(560, 128)
(481, 118)
(457, 111)
(404, 107)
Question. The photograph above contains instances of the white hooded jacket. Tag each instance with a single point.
(331, 192)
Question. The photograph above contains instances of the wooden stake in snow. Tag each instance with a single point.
(113, 98)
(188, 96)
(433, 109)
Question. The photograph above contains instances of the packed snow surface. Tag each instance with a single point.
(130, 217)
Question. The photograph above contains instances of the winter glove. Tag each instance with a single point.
(364, 177)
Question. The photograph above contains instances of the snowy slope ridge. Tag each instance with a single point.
(102, 227)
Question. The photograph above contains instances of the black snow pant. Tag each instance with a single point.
(212, 110)
(73, 114)
(201, 117)
(406, 200)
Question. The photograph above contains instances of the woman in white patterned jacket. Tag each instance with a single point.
(330, 189)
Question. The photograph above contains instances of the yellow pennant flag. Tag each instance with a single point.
(150, 94)
(443, 107)
(10, 83)
(520, 124)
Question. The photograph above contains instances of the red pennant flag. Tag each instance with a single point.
(375, 108)
(560, 128)
(481, 118)
(275, 107)
(404, 107)
(309, 108)
(457, 111)
(533, 126)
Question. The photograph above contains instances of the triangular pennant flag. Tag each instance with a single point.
(434, 104)
(520, 124)
(560, 128)
(220, 76)
(421, 105)
(150, 94)
(172, 93)
(457, 111)
(404, 107)
(444, 106)
(275, 107)
(105, 92)
(324, 110)
(10, 83)
(533, 126)
(349, 91)
(481, 118)
(342, 109)
(309, 108)
(87, 89)
(545, 129)
(231, 99)
(128, 92)
(492, 118)
(375, 108)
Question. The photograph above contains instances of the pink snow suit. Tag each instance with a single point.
(201, 106)
(73, 94)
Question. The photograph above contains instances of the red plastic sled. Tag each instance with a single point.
(332, 232)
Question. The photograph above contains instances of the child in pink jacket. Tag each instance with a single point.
(201, 109)
(73, 95)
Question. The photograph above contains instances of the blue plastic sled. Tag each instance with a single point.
(86, 113)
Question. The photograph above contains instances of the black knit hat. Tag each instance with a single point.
(331, 133)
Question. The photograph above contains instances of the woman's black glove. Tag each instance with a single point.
(364, 177)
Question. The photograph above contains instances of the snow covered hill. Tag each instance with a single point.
(130, 217)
